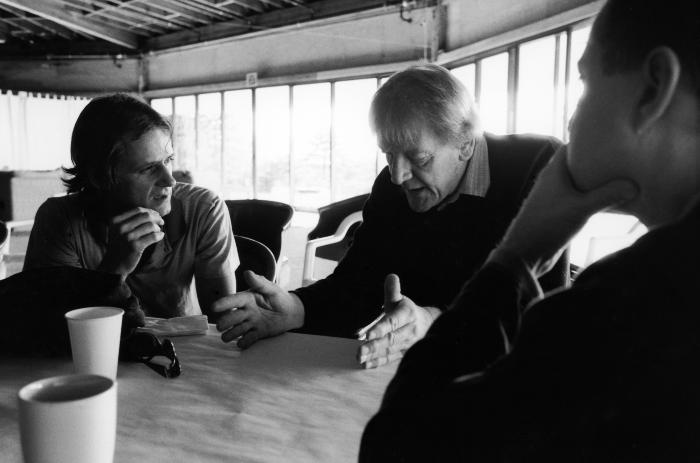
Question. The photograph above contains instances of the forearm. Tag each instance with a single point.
(209, 290)
(336, 306)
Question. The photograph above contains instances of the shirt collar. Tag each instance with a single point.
(477, 176)
(477, 179)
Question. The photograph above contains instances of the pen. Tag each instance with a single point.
(362, 332)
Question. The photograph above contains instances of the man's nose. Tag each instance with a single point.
(166, 177)
(400, 169)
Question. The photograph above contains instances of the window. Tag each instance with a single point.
(209, 171)
(311, 145)
(536, 87)
(272, 143)
(467, 75)
(184, 134)
(493, 94)
(237, 163)
(164, 106)
(354, 144)
(579, 38)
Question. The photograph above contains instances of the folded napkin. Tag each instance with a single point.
(177, 326)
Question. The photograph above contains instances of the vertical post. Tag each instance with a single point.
(222, 162)
(290, 150)
(513, 63)
(567, 84)
(253, 150)
(331, 145)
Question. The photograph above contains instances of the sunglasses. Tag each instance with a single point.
(145, 347)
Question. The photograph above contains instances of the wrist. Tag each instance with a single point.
(297, 313)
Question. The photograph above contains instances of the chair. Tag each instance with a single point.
(254, 256)
(4, 237)
(6, 257)
(264, 221)
(332, 236)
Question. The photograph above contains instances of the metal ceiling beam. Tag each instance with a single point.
(58, 15)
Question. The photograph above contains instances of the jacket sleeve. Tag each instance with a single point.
(351, 296)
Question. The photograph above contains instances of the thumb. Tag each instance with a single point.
(259, 284)
(392, 289)
(611, 194)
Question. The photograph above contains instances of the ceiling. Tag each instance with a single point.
(36, 28)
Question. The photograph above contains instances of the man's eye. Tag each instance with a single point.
(169, 159)
(423, 159)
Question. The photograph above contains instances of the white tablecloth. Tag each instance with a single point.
(292, 398)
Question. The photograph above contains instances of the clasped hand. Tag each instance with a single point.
(400, 326)
(129, 235)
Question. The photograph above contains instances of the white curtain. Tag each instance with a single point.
(35, 130)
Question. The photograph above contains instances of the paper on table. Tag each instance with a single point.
(177, 326)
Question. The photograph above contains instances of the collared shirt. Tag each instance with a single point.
(198, 242)
(477, 176)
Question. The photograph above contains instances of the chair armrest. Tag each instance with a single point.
(311, 245)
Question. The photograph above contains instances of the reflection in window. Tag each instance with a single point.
(467, 75)
(208, 172)
(535, 98)
(493, 95)
(354, 144)
(184, 137)
(272, 143)
(238, 145)
(311, 157)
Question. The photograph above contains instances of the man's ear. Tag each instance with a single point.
(661, 73)
(466, 151)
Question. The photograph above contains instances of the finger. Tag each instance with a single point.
(260, 284)
(392, 289)
(393, 341)
(138, 214)
(383, 360)
(232, 301)
(362, 332)
(401, 315)
(231, 318)
(237, 331)
(249, 339)
(146, 241)
(142, 230)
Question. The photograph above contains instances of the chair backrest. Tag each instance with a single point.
(261, 220)
(4, 234)
(254, 256)
(329, 219)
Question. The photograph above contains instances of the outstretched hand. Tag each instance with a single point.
(262, 311)
(400, 326)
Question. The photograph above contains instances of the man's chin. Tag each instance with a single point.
(163, 208)
(419, 204)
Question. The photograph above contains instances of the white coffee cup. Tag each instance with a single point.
(68, 419)
(94, 339)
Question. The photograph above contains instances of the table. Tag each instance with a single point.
(292, 398)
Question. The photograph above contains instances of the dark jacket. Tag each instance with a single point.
(604, 371)
(433, 252)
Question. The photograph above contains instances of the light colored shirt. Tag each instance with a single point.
(198, 242)
(477, 176)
